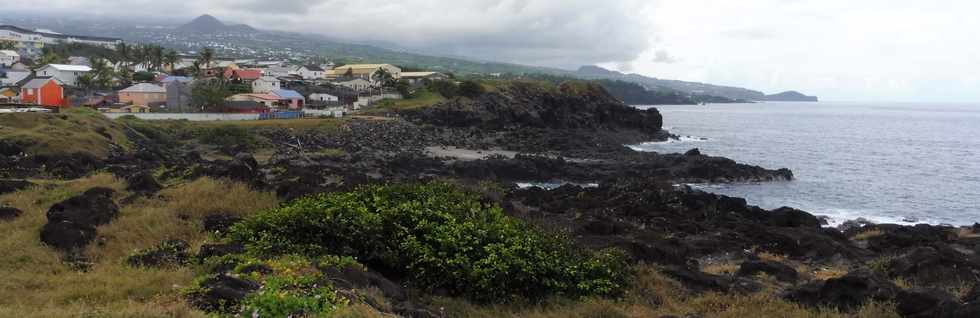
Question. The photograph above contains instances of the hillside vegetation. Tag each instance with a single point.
(78, 131)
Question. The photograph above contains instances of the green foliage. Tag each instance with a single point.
(8, 45)
(143, 76)
(440, 238)
(447, 89)
(210, 94)
(471, 89)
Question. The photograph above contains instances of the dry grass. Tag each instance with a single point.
(36, 283)
(304, 123)
(654, 295)
(964, 232)
(721, 268)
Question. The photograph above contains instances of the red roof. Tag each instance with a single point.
(249, 74)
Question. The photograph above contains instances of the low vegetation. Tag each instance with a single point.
(439, 238)
(77, 131)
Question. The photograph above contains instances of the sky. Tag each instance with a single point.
(868, 50)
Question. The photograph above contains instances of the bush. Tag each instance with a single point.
(470, 89)
(445, 88)
(226, 135)
(437, 237)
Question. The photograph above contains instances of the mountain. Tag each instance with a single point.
(656, 84)
(208, 24)
(791, 96)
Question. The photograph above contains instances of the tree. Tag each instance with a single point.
(383, 77)
(156, 56)
(86, 82)
(8, 45)
(210, 94)
(122, 50)
(470, 89)
(49, 57)
(445, 88)
(171, 59)
(404, 88)
(103, 73)
(206, 57)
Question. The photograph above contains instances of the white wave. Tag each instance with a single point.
(553, 185)
(650, 145)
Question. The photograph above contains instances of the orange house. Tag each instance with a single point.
(44, 92)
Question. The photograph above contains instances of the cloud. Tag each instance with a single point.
(661, 56)
(566, 33)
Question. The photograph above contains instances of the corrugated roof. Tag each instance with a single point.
(39, 82)
(290, 94)
(418, 74)
(362, 66)
(314, 68)
(70, 68)
(144, 88)
(9, 53)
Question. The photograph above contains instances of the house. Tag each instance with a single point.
(268, 100)
(242, 75)
(363, 71)
(279, 71)
(46, 91)
(67, 74)
(79, 60)
(9, 77)
(357, 84)
(266, 84)
(8, 58)
(290, 98)
(311, 72)
(8, 94)
(32, 41)
(322, 98)
(416, 78)
(145, 94)
(245, 107)
(179, 93)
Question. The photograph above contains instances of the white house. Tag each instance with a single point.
(67, 74)
(357, 84)
(311, 72)
(278, 71)
(323, 98)
(13, 76)
(266, 84)
(8, 58)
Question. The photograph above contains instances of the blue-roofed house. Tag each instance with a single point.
(291, 98)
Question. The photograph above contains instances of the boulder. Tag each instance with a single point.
(217, 250)
(920, 303)
(72, 223)
(693, 152)
(780, 271)
(845, 293)
(8, 186)
(790, 217)
(168, 254)
(938, 265)
(219, 223)
(9, 213)
(143, 183)
(222, 292)
(897, 238)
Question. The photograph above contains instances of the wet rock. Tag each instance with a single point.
(897, 238)
(72, 223)
(143, 183)
(8, 186)
(219, 223)
(846, 293)
(167, 254)
(790, 217)
(222, 292)
(9, 213)
(693, 152)
(780, 271)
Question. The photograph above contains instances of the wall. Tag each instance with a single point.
(187, 116)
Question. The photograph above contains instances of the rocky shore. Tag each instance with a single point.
(573, 134)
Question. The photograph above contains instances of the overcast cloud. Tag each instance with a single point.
(837, 49)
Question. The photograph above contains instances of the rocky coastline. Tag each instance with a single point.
(576, 134)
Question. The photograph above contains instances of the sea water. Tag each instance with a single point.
(885, 162)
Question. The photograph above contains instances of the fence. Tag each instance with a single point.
(187, 116)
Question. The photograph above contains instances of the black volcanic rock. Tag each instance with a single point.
(791, 96)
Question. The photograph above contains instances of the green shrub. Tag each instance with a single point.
(294, 288)
(438, 237)
(225, 135)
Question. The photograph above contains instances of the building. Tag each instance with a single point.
(291, 99)
(8, 58)
(79, 60)
(145, 94)
(279, 71)
(242, 75)
(67, 74)
(179, 93)
(32, 41)
(363, 71)
(357, 84)
(10, 77)
(245, 107)
(266, 84)
(8, 94)
(416, 78)
(322, 98)
(311, 72)
(47, 91)
(268, 100)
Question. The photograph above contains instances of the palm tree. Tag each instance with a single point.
(382, 77)
(124, 53)
(207, 56)
(156, 52)
(171, 59)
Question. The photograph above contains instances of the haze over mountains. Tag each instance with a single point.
(209, 24)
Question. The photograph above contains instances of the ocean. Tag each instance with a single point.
(885, 162)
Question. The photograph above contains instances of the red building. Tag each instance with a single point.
(44, 92)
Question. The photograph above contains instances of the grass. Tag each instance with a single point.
(38, 284)
(423, 98)
(866, 235)
(71, 132)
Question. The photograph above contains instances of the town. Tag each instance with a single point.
(45, 71)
